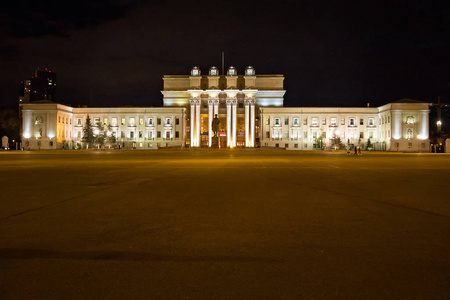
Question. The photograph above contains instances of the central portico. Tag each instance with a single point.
(228, 102)
(233, 98)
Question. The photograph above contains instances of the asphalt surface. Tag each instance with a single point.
(224, 224)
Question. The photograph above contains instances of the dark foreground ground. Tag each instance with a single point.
(224, 225)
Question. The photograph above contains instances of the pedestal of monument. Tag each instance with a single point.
(215, 142)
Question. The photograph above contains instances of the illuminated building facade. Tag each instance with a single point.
(251, 113)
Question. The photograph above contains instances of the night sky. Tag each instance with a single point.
(114, 53)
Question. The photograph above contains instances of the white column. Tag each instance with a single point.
(396, 123)
(424, 123)
(246, 123)
(228, 123)
(192, 144)
(210, 119)
(197, 121)
(252, 123)
(234, 104)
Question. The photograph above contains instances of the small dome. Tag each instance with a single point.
(195, 71)
(249, 71)
(231, 71)
(213, 71)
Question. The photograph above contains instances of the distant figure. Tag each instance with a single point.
(356, 150)
(359, 150)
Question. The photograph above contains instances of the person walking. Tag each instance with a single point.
(359, 150)
(356, 149)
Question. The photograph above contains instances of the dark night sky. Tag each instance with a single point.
(114, 53)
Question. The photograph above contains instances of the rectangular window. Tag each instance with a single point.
(314, 122)
(67, 119)
(150, 134)
(286, 134)
(351, 122)
(131, 134)
(158, 121)
(371, 121)
(305, 121)
(267, 134)
(177, 121)
(141, 134)
(158, 134)
(409, 145)
(333, 121)
(140, 145)
(132, 122)
(51, 144)
(314, 135)
(268, 121)
(286, 121)
(79, 134)
(141, 121)
(177, 134)
(361, 135)
(342, 121)
(324, 121)
(114, 134)
(295, 121)
(122, 134)
(150, 121)
(389, 119)
(305, 134)
(167, 134)
(96, 121)
(78, 121)
(105, 121)
(70, 121)
(361, 121)
(295, 145)
(123, 121)
(59, 119)
(168, 121)
(371, 135)
(114, 121)
(276, 121)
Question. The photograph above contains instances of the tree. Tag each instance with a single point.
(99, 135)
(369, 145)
(336, 140)
(88, 133)
(318, 141)
(110, 138)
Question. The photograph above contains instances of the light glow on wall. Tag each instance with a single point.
(27, 135)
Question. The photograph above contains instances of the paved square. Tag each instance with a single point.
(226, 224)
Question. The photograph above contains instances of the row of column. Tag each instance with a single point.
(213, 109)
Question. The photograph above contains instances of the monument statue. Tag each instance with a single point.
(215, 125)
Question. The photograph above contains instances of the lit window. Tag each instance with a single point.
(105, 121)
(123, 121)
(409, 120)
(314, 122)
(59, 119)
(324, 121)
(114, 121)
(141, 121)
(333, 121)
(342, 121)
(96, 121)
(132, 122)
(305, 121)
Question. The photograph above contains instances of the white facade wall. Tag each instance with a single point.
(54, 126)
